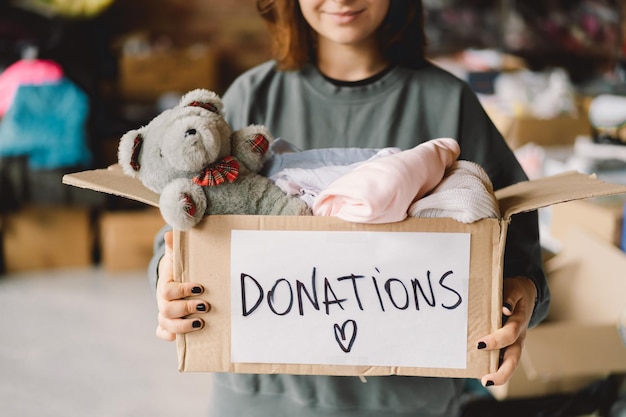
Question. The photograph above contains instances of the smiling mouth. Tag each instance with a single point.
(348, 13)
(345, 17)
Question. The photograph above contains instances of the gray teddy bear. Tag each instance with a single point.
(191, 157)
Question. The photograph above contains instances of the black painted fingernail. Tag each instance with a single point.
(508, 306)
(196, 290)
(481, 345)
(196, 324)
(201, 307)
(489, 383)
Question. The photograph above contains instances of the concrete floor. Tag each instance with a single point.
(81, 343)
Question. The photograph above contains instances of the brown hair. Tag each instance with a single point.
(401, 34)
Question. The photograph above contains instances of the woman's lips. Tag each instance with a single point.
(345, 17)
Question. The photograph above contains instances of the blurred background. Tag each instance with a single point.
(77, 316)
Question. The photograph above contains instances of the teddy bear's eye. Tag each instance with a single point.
(190, 132)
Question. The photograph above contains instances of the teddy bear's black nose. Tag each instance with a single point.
(190, 132)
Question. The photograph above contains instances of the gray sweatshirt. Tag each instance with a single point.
(401, 108)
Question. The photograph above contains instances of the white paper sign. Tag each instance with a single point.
(350, 298)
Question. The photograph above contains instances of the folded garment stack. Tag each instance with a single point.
(381, 190)
(465, 194)
(386, 185)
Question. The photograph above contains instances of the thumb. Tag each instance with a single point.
(169, 239)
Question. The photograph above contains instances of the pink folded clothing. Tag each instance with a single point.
(26, 72)
(381, 190)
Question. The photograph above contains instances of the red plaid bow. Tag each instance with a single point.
(259, 143)
(226, 169)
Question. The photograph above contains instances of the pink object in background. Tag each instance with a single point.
(381, 190)
(26, 72)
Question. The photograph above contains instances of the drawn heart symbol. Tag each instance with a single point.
(342, 337)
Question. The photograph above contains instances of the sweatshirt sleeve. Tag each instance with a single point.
(158, 250)
(482, 143)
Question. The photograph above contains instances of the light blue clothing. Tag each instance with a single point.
(312, 158)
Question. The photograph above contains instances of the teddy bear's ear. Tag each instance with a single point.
(128, 152)
(206, 99)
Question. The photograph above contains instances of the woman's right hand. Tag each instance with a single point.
(171, 302)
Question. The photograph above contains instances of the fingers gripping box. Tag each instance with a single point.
(318, 295)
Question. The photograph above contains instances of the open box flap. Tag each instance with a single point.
(543, 192)
(514, 199)
(113, 181)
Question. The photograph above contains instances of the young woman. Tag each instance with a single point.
(353, 73)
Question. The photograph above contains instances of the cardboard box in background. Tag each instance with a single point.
(44, 237)
(602, 216)
(581, 341)
(523, 129)
(204, 254)
(588, 280)
(146, 76)
(126, 238)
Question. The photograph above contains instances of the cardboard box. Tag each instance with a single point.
(580, 342)
(44, 237)
(602, 216)
(149, 75)
(126, 238)
(520, 130)
(204, 254)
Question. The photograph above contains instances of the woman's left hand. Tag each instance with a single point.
(518, 302)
